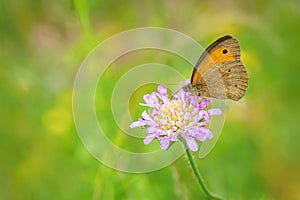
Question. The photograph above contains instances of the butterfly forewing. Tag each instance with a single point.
(219, 73)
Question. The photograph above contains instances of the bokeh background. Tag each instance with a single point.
(43, 43)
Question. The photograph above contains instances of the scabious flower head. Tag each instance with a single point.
(182, 115)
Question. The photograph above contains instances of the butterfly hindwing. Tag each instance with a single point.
(235, 79)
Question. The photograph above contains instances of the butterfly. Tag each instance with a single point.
(219, 72)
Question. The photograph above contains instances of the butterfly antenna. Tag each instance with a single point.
(174, 93)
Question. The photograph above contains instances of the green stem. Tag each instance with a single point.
(199, 178)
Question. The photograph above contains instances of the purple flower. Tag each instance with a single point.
(183, 115)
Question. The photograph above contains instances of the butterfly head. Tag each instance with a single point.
(192, 90)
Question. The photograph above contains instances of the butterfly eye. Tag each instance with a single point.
(225, 51)
(229, 70)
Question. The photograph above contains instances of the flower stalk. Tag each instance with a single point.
(198, 176)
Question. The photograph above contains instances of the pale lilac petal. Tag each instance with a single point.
(203, 133)
(151, 100)
(214, 111)
(146, 116)
(210, 135)
(164, 143)
(205, 114)
(162, 94)
(180, 95)
(186, 116)
(149, 138)
(138, 123)
(205, 123)
(180, 86)
(192, 144)
(147, 97)
(188, 81)
(204, 103)
(161, 89)
(198, 117)
(174, 137)
(200, 136)
(154, 97)
(151, 130)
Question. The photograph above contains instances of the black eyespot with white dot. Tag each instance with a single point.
(229, 70)
(225, 51)
(235, 85)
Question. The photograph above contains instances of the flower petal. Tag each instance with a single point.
(192, 144)
(151, 100)
(174, 137)
(205, 123)
(138, 123)
(187, 81)
(204, 103)
(203, 133)
(164, 143)
(161, 89)
(146, 116)
(162, 94)
(149, 138)
(214, 111)
(151, 130)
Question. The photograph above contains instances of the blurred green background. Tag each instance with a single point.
(42, 44)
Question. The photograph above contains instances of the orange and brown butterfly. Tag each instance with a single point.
(219, 72)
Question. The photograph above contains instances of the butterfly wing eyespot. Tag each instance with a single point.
(219, 72)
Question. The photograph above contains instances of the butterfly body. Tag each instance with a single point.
(219, 72)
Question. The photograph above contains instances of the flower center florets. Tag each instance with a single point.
(174, 115)
(183, 115)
